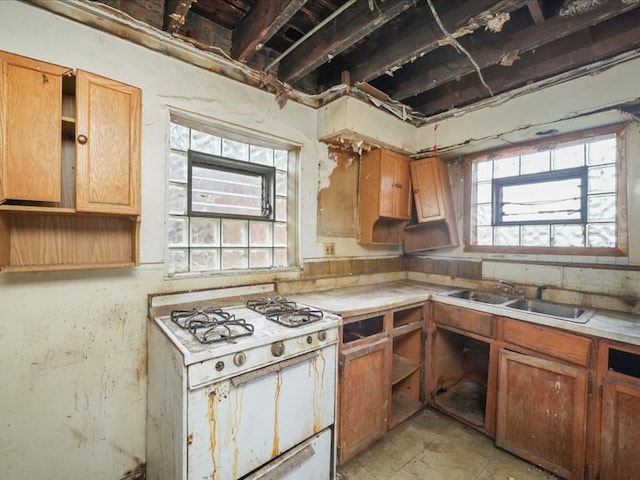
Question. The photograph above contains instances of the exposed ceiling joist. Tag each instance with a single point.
(344, 31)
(264, 20)
(535, 9)
(397, 47)
(568, 54)
(175, 14)
(430, 77)
(420, 35)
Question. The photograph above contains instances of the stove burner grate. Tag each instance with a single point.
(295, 318)
(212, 325)
(267, 306)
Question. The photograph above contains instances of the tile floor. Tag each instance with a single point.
(432, 446)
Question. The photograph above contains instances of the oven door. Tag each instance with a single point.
(240, 424)
(306, 461)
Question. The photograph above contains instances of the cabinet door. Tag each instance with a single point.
(395, 186)
(30, 129)
(107, 145)
(541, 413)
(620, 436)
(364, 393)
(428, 176)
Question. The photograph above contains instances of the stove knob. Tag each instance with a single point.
(239, 359)
(309, 339)
(322, 335)
(277, 349)
(219, 366)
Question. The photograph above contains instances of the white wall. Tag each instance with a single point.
(73, 344)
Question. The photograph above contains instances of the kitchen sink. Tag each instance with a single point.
(476, 296)
(540, 307)
(564, 312)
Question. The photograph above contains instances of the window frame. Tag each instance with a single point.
(291, 210)
(621, 248)
(541, 177)
(215, 162)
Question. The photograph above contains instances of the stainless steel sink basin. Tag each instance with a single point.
(564, 312)
(483, 297)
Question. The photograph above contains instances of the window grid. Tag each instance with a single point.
(598, 155)
(200, 243)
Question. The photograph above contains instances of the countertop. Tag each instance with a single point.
(366, 299)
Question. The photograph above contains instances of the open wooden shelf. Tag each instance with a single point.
(402, 407)
(38, 242)
(402, 368)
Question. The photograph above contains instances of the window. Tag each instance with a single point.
(560, 197)
(229, 201)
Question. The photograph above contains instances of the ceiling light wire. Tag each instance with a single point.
(457, 45)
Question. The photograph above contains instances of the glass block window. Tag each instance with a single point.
(228, 202)
(538, 198)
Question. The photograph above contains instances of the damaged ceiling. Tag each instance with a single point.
(426, 57)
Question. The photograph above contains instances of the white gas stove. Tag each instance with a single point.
(246, 391)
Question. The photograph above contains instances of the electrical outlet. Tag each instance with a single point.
(329, 249)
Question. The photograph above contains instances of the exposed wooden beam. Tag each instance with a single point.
(535, 9)
(427, 77)
(420, 35)
(570, 53)
(351, 26)
(175, 13)
(261, 23)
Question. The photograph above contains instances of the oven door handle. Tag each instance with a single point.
(276, 367)
(290, 464)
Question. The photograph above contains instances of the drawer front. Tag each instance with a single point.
(548, 341)
(469, 320)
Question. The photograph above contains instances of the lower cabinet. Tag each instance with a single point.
(363, 388)
(542, 412)
(380, 375)
(619, 433)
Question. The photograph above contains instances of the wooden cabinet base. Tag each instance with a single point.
(38, 242)
(542, 408)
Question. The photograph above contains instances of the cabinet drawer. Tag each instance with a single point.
(468, 320)
(548, 341)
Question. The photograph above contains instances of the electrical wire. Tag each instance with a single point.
(457, 45)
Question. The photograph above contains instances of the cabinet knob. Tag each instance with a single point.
(82, 139)
(398, 185)
(415, 191)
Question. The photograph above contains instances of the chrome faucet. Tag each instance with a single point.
(539, 291)
(505, 287)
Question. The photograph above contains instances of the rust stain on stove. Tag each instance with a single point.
(237, 417)
(276, 434)
(213, 421)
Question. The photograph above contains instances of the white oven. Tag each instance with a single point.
(258, 407)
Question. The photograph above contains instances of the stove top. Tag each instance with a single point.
(213, 331)
(212, 325)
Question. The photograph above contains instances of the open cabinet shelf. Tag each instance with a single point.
(38, 242)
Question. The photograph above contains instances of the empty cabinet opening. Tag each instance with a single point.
(362, 329)
(407, 316)
(405, 376)
(461, 374)
(626, 363)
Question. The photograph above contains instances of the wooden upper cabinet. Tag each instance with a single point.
(436, 227)
(386, 184)
(30, 129)
(384, 199)
(431, 189)
(107, 145)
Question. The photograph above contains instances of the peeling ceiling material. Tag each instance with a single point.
(394, 48)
